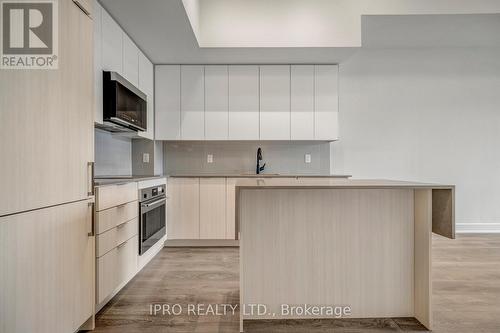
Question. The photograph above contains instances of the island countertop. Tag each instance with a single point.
(335, 183)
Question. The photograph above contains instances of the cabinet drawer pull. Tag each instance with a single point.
(92, 228)
(121, 245)
(121, 225)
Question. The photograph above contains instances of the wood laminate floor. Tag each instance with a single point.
(466, 294)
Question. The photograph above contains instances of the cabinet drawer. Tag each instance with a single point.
(115, 195)
(116, 236)
(106, 275)
(126, 259)
(112, 217)
(116, 267)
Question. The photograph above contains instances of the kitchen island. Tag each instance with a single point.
(361, 245)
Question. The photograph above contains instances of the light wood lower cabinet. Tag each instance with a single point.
(200, 208)
(212, 208)
(231, 208)
(47, 269)
(184, 208)
(117, 245)
(116, 267)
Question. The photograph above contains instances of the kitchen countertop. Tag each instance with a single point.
(111, 180)
(252, 175)
(335, 183)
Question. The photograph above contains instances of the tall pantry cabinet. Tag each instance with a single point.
(47, 149)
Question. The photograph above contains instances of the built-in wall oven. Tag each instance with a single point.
(152, 226)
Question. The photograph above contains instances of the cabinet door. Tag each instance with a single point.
(47, 269)
(47, 123)
(146, 84)
(302, 102)
(183, 208)
(168, 102)
(275, 102)
(212, 208)
(230, 208)
(112, 44)
(130, 60)
(326, 102)
(243, 102)
(216, 102)
(98, 87)
(192, 103)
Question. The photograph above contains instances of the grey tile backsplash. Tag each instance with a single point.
(113, 154)
(240, 157)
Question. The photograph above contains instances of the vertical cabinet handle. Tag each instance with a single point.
(90, 175)
(92, 225)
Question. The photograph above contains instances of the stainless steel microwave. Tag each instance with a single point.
(124, 106)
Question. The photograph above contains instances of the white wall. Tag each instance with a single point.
(426, 115)
(311, 23)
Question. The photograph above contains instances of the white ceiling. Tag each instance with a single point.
(163, 31)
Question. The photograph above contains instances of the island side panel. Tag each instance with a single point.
(423, 256)
(443, 212)
(333, 247)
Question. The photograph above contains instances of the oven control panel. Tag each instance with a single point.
(151, 192)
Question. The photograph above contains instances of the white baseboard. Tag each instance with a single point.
(484, 228)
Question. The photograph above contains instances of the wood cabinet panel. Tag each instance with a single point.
(112, 217)
(47, 120)
(275, 102)
(192, 102)
(243, 102)
(114, 195)
(168, 102)
(212, 208)
(183, 208)
(47, 269)
(231, 208)
(216, 102)
(98, 82)
(116, 236)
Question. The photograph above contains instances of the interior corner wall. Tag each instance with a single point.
(429, 115)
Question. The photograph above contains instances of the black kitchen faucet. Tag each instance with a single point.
(259, 158)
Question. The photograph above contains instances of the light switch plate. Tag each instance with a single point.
(145, 158)
(307, 158)
(210, 158)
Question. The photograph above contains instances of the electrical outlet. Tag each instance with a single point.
(307, 158)
(145, 158)
(210, 158)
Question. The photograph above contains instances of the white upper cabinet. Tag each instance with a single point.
(112, 44)
(216, 103)
(192, 103)
(326, 102)
(97, 15)
(275, 102)
(302, 102)
(146, 85)
(168, 102)
(130, 60)
(243, 102)
(246, 102)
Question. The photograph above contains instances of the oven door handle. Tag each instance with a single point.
(146, 207)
